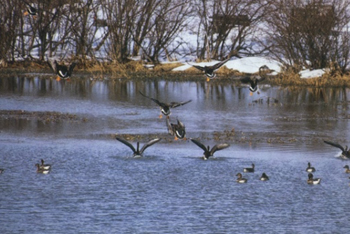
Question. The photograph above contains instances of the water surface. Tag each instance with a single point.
(95, 186)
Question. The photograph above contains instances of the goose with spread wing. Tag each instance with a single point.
(210, 152)
(62, 71)
(254, 80)
(165, 107)
(345, 151)
(138, 152)
(209, 71)
(177, 130)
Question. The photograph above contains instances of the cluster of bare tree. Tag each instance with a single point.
(300, 33)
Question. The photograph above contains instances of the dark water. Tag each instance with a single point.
(96, 187)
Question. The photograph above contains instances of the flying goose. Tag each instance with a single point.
(137, 152)
(61, 70)
(207, 152)
(209, 70)
(177, 130)
(165, 107)
(254, 80)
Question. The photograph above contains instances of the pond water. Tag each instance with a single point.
(95, 186)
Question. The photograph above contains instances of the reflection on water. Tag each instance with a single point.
(116, 105)
(95, 186)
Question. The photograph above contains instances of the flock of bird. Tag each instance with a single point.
(178, 129)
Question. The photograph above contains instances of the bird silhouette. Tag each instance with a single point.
(254, 80)
(61, 70)
(210, 152)
(209, 71)
(165, 107)
(177, 130)
(345, 151)
(138, 152)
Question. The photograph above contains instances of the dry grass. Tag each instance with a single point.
(136, 69)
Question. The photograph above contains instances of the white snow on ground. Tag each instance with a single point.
(305, 74)
(246, 65)
(251, 65)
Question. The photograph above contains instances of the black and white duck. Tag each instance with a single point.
(240, 179)
(310, 168)
(44, 166)
(138, 152)
(165, 107)
(264, 177)
(313, 180)
(210, 152)
(249, 169)
(41, 170)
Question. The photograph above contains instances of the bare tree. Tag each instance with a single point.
(227, 25)
(309, 33)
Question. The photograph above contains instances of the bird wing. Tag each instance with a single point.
(71, 67)
(161, 104)
(176, 104)
(127, 144)
(148, 144)
(200, 145)
(219, 147)
(199, 67)
(260, 78)
(219, 64)
(246, 79)
(334, 144)
(170, 127)
(52, 65)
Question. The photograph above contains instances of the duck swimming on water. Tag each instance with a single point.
(313, 180)
(249, 169)
(240, 179)
(310, 168)
(138, 152)
(207, 152)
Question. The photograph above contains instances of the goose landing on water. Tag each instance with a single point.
(138, 152)
(207, 152)
(177, 130)
(345, 154)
